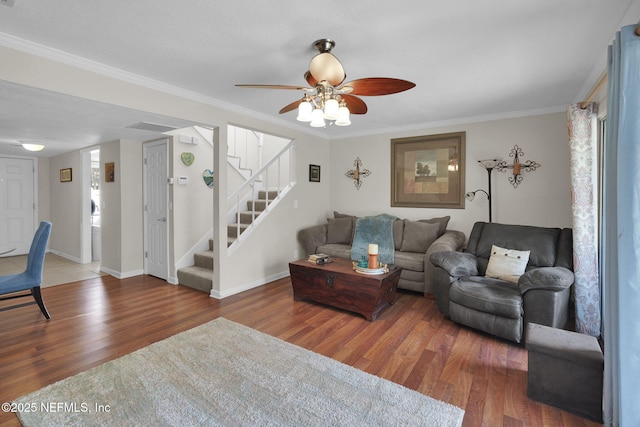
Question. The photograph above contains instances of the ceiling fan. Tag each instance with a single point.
(328, 97)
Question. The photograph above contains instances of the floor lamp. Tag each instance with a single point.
(488, 164)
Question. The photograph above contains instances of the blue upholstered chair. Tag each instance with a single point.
(31, 278)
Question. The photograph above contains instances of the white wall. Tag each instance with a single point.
(65, 205)
(192, 202)
(44, 189)
(543, 198)
(131, 207)
(110, 219)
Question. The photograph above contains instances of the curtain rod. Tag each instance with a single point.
(595, 90)
(602, 80)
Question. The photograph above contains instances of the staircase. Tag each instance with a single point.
(200, 275)
(245, 218)
(277, 178)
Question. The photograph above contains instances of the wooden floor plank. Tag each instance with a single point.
(101, 319)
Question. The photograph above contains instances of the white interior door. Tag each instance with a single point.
(17, 205)
(156, 208)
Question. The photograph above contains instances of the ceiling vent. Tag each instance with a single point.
(151, 127)
(7, 2)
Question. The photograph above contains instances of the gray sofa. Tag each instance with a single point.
(414, 242)
(501, 307)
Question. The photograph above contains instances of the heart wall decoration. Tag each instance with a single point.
(187, 158)
(207, 176)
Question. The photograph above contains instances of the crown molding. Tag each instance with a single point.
(459, 121)
(66, 58)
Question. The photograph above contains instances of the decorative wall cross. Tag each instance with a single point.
(357, 174)
(516, 177)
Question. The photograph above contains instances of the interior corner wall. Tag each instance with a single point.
(131, 209)
(542, 199)
(110, 204)
(192, 211)
(121, 216)
(65, 206)
(44, 190)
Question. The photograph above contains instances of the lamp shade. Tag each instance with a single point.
(304, 111)
(490, 163)
(343, 116)
(317, 119)
(331, 109)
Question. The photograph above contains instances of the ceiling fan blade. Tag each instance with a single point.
(375, 86)
(274, 87)
(355, 104)
(309, 78)
(325, 66)
(290, 107)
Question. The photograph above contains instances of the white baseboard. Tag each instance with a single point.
(121, 275)
(228, 292)
(65, 256)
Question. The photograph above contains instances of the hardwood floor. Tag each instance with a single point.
(410, 343)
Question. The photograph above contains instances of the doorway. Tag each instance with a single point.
(156, 208)
(91, 239)
(17, 205)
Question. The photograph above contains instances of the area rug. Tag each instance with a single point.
(226, 374)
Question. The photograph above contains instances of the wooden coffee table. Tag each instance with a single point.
(337, 285)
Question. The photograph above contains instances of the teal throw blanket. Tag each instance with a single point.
(374, 229)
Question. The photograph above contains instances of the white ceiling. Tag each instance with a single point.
(470, 59)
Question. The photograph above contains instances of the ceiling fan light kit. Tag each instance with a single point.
(329, 98)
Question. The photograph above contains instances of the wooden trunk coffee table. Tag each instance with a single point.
(337, 284)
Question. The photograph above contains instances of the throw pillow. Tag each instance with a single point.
(507, 264)
(340, 230)
(398, 230)
(442, 223)
(418, 236)
(341, 215)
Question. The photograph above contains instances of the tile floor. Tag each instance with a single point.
(57, 270)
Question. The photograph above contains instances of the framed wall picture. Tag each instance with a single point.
(428, 171)
(314, 173)
(109, 172)
(66, 175)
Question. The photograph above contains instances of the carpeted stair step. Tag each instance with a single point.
(262, 195)
(257, 205)
(196, 277)
(247, 217)
(204, 259)
(254, 209)
(232, 229)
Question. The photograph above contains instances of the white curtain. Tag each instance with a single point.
(582, 124)
(621, 233)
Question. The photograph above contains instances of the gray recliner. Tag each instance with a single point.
(499, 307)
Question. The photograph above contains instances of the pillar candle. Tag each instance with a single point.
(516, 168)
(373, 249)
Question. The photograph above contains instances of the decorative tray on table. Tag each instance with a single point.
(365, 270)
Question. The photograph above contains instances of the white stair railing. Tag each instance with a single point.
(277, 175)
